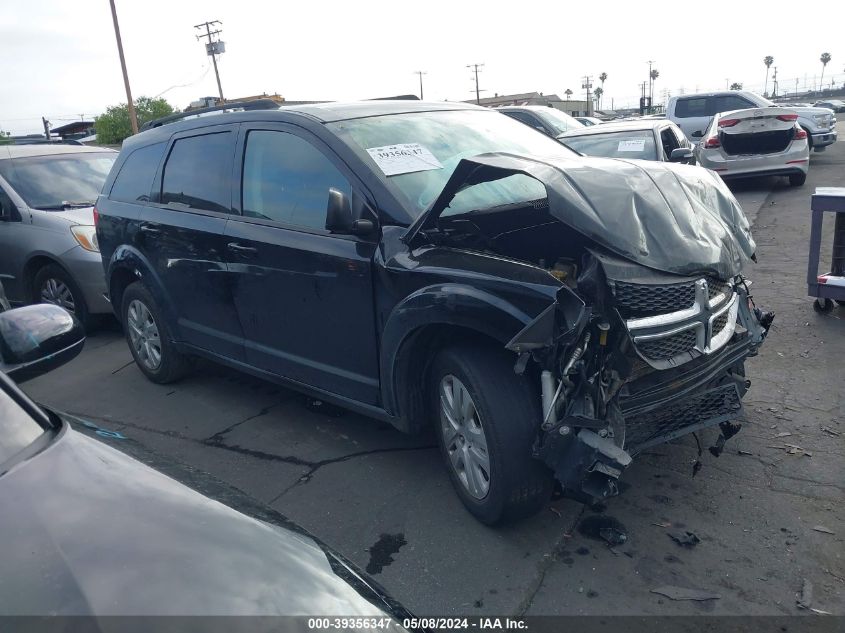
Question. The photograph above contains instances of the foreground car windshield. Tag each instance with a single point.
(628, 144)
(450, 137)
(51, 181)
(17, 428)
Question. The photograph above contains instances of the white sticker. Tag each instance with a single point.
(631, 145)
(403, 158)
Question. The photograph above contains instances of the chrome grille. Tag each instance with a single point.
(670, 346)
(720, 323)
(647, 299)
(658, 426)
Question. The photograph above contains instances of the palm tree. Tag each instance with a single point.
(568, 93)
(736, 86)
(602, 79)
(653, 75)
(598, 92)
(768, 60)
(824, 59)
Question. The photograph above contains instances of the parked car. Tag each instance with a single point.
(440, 264)
(837, 105)
(547, 120)
(588, 120)
(645, 139)
(756, 142)
(694, 113)
(48, 245)
(90, 530)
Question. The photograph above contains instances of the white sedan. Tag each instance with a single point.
(755, 142)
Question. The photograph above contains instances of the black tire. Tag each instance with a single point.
(508, 408)
(822, 305)
(47, 282)
(797, 180)
(840, 302)
(172, 364)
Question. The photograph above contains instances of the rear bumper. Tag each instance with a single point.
(796, 159)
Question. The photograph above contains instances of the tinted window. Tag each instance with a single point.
(287, 179)
(628, 144)
(730, 102)
(135, 179)
(687, 108)
(49, 182)
(198, 172)
(669, 141)
(523, 117)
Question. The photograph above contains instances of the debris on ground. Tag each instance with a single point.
(684, 539)
(742, 452)
(604, 528)
(784, 434)
(665, 524)
(682, 593)
(827, 429)
(823, 529)
(805, 600)
(792, 449)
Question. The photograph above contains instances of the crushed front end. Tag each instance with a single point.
(653, 357)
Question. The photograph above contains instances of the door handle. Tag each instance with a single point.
(149, 229)
(241, 249)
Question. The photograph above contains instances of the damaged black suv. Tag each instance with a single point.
(550, 315)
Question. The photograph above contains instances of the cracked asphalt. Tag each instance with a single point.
(384, 499)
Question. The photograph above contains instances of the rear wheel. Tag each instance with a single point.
(797, 180)
(823, 305)
(149, 337)
(52, 284)
(487, 418)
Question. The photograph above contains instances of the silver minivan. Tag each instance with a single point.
(48, 243)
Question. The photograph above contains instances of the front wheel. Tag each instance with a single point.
(149, 337)
(797, 180)
(487, 419)
(52, 284)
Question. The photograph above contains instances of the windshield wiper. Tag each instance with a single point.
(66, 205)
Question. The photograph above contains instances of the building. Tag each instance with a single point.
(73, 131)
(574, 108)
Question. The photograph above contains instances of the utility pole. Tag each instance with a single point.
(213, 48)
(46, 125)
(650, 85)
(775, 83)
(587, 86)
(796, 86)
(133, 118)
(420, 73)
(475, 67)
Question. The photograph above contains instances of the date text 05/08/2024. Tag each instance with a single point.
(442, 624)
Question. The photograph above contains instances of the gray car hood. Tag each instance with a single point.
(674, 218)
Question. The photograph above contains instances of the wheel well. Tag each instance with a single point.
(413, 362)
(31, 269)
(118, 282)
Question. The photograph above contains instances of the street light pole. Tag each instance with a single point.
(133, 118)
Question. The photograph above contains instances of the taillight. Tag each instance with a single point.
(800, 134)
(96, 217)
(712, 142)
(787, 117)
(728, 122)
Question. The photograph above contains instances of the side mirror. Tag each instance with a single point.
(36, 339)
(339, 216)
(681, 155)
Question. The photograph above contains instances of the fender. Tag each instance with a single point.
(129, 258)
(443, 304)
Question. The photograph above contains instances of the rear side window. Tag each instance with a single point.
(198, 172)
(287, 179)
(731, 102)
(135, 179)
(688, 108)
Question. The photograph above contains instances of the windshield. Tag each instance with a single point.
(559, 121)
(17, 428)
(51, 181)
(627, 144)
(449, 136)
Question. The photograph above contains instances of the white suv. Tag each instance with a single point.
(693, 113)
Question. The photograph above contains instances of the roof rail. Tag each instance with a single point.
(257, 104)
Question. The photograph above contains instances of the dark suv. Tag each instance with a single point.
(551, 315)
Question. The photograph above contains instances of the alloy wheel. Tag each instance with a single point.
(144, 335)
(464, 438)
(55, 291)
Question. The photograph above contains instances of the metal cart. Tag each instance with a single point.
(828, 287)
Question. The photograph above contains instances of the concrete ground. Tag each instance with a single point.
(763, 511)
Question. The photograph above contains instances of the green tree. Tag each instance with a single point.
(598, 92)
(113, 126)
(824, 59)
(568, 93)
(4, 138)
(768, 60)
(736, 86)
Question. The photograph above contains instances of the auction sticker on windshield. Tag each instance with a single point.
(403, 158)
(631, 145)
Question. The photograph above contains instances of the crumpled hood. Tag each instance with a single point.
(674, 218)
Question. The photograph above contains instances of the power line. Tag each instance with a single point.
(477, 90)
